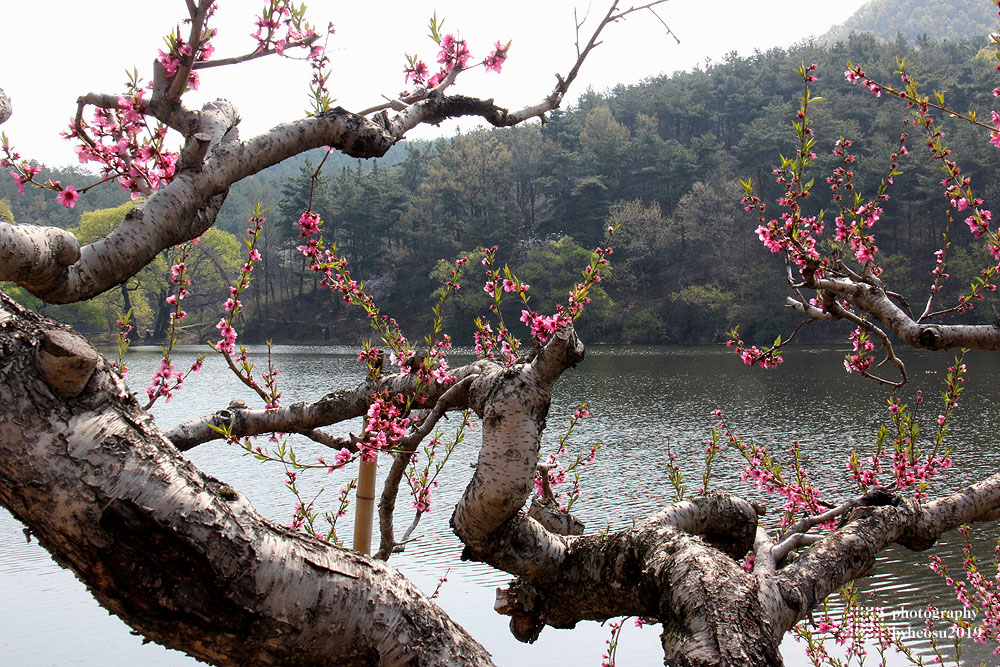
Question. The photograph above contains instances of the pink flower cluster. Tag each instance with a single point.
(384, 427)
(860, 360)
(125, 146)
(977, 592)
(497, 346)
(280, 26)
(340, 459)
(753, 355)
(422, 491)
(165, 379)
(179, 53)
(543, 326)
(453, 57)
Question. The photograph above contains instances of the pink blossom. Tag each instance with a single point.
(20, 180)
(68, 197)
(495, 60)
(309, 223)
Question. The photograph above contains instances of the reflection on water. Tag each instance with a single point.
(643, 401)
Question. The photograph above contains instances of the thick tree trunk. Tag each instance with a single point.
(179, 556)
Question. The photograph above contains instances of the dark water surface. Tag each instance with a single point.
(643, 400)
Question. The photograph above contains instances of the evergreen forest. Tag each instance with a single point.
(663, 158)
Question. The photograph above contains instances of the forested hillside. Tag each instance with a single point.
(663, 158)
(919, 19)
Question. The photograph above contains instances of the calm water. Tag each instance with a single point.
(643, 400)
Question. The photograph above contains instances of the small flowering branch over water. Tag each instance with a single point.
(766, 474)
(768, 358)
(122, 340)
(429, 367)
(977, 591)
(551, 473)
(167, 379)
(441, 582)
(675, 475)
(239, 361)
(500, 345)
(912, 469)
(305, 516)
(421, 483)
(608, 658)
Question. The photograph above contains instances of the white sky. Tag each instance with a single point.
(55, 50)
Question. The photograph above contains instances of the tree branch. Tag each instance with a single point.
(303, 417)
(876, 302)
(102, 490)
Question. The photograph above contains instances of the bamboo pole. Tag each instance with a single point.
(364, 508)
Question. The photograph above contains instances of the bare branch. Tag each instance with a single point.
(253, 55)
(99, 100)
(807, 522)
(791, 542)
(669, 31)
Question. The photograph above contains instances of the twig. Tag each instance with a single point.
(253, 55)
(795, 541)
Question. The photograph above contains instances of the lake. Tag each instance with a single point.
(642, 401)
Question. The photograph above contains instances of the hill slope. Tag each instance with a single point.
(938, 19)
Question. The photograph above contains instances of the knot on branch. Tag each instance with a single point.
(930, 337)
(66, 362)
(732, 526)
(193, 154)
(66, 248)
(546, 511)
(522, 603)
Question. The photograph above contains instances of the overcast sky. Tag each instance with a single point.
(55, 50)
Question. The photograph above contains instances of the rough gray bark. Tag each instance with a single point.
(176, 554)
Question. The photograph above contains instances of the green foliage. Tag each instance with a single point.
(6, 215)
(662, 158)
(644, 326)
(94, 225)
(921, 20)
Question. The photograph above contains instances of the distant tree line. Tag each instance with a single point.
(663, 158)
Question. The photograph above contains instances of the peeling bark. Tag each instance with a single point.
(165, 548)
